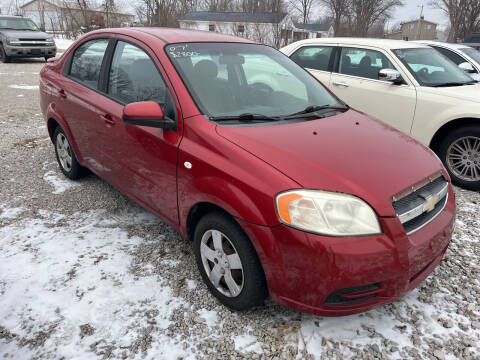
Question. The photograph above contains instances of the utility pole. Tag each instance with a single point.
(419, 30)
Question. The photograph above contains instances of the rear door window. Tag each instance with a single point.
(87, 62)
(364, 63)
(313, 57)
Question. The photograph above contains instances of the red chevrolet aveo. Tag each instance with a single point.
(284, 190)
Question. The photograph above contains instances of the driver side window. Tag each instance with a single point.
(364, 63)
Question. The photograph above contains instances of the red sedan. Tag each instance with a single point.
(283, 189)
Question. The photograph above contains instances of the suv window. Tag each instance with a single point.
(134, 77)
(457, 59)
(313, 57)
(363, 62)
(87, 62)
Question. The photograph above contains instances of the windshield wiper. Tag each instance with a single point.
(315, 108)
(447, 84)
(246, 117)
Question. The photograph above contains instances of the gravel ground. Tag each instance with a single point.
(86, 273)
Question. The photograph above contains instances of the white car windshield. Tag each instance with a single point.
(474, 54)
(231, 79)
(431, 68)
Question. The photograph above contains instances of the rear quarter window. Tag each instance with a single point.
(87, 62)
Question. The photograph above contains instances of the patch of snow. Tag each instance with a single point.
(59, 184)
(191, 284)
(24, 87)
(247, 343)
(62, 277)
(210, 316)
(63, 44)
(10, 213)
(20, 95)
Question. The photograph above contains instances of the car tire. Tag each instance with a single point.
(236, 257)
(460, 153)
(66, 157)
(3, 56)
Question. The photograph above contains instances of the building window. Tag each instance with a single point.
(405, 38)
(241, 29)
(428, 26)
(211, 27)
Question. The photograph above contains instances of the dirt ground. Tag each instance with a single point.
(85, 273)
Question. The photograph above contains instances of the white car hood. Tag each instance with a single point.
(464, 93)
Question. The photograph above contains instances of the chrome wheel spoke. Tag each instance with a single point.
(207, 252)
(231, 284)
(463, 158)
(215, 275)
(234, 261)
(217, 240)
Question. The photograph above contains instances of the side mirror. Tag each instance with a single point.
(467, 67)
(147, 113)
(390, 75)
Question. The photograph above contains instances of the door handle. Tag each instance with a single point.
(340, 84)
(62, 93)
(108, 119)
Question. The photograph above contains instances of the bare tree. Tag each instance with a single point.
(303, 8)
(463, 15)
(339, 11)
(365, 13)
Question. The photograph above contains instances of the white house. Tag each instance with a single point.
(275, 29)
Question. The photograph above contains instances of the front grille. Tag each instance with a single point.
(30, 40)
(353, 294)
(422, 205)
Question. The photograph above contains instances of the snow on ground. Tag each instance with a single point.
(24, 87)
(59, 184)
(62, 44)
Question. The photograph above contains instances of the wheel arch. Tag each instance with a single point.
(448, 127)
(52, 124)
(199, 210)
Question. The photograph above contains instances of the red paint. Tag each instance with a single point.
(242, 169)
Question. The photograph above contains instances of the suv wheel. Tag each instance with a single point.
(228, 262)
(66, 157)
(3, 56)
(460, 153)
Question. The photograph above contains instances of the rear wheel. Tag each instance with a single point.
(3, 55)
(66, 157)
(228, 262)
(460, 153)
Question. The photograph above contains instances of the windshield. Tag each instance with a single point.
(431, 68)
(18, 24)
(230, 79)
(474, 54)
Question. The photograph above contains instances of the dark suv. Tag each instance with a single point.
(20, 38)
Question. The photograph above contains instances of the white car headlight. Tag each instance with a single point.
(327, 213)
(11, 41)
(50, 42)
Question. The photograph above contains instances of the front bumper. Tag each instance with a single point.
(30, 51)
(303, 269)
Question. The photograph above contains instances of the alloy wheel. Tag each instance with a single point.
(222, 263)
(64, 152)
(463, 158)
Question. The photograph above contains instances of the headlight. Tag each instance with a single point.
(327, 213)
(11, 41)
(50, 42)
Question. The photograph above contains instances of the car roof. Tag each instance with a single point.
(175, 35)
(444, 44)
(382, 43)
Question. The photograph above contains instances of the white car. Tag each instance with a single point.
(466, 57)
(407, 85)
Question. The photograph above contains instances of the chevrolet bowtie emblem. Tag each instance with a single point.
(430, 203)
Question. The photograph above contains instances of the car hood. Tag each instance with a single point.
(34, 35)
(463, 93)
(350, 153)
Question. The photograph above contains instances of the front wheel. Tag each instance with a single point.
(228, 262)
(3, 55)
(460, 153)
